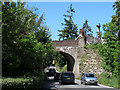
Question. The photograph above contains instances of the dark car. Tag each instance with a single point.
(56, 76)
(52, 71)
(67, 77)
(88, 78)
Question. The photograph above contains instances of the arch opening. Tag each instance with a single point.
(69, 59)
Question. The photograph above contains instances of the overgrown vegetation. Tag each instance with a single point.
(26, 44)
(108, 80)
(83, 57)
(110, 49)
(24, 82)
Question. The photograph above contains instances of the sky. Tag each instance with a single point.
(94, 12)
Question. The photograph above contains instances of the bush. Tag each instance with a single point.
(24, 82)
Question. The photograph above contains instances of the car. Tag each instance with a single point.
(56, 76)
(88, 78)
(67, 77)
(52, 71)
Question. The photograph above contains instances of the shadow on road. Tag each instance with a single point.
(92, 85)
(49, 83)
(70, 84)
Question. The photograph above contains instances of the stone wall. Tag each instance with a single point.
(90, 62)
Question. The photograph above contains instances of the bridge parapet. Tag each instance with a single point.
(65, 43)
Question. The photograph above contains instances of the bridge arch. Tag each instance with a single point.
(72, 51)
(70, 60)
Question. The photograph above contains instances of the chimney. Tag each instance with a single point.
(81, 32)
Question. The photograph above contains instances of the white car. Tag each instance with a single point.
(88, 78)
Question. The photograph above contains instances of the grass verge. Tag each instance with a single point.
(109, 81)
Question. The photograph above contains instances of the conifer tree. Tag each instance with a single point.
(86, 28)
(70, 29)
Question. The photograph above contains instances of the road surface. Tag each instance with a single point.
(54, 85)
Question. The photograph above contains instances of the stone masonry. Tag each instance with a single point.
(74, 48)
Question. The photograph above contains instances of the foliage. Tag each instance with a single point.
(107, 62)
(83, 57)
(86, 28)
(63, 68)
(109, 78)
(42, 31)
(116, 20)
(15, 30)
(109, 81)
(110, 49)
(112, 45)
(27, 47)
(24, 82)
(93, 46)
(60, 60)
(70, 29)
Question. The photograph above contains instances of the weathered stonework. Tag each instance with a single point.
(92, 63)
(74, 49)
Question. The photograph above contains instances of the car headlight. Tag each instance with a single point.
(87, 80)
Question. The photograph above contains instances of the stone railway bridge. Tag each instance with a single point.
(72, 50)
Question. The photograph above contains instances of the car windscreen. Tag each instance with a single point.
(68, 74)
(52, 70)
(89, 75)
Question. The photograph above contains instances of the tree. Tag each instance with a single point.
(86, 29)
(19, 43)
(116, 20)
(70, 29)
(42, 33)
(112, 45)
(24, 49)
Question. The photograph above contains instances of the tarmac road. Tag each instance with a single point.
(54, 85)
